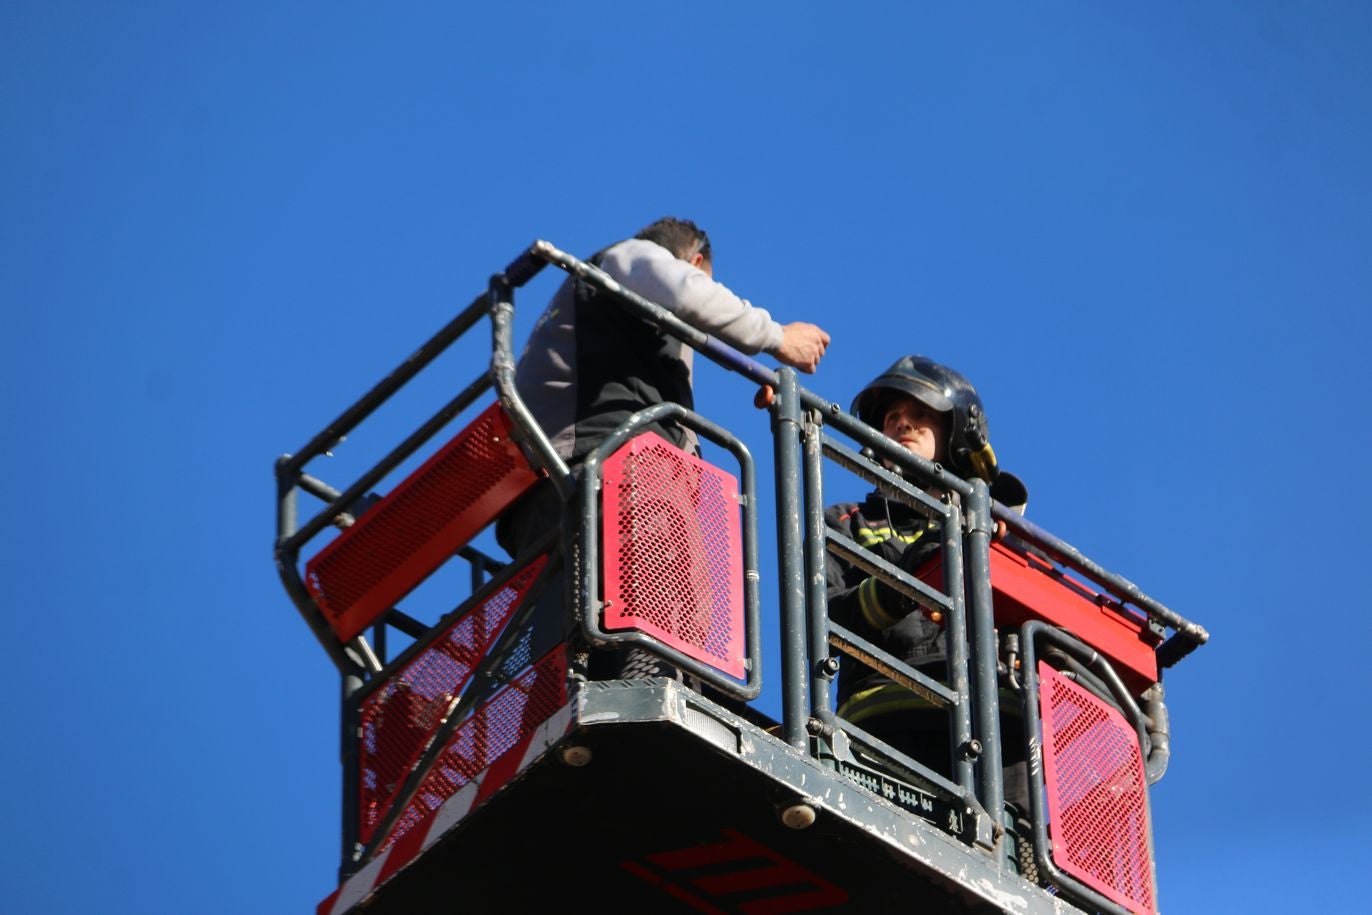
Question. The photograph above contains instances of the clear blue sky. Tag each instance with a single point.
(1142, 229)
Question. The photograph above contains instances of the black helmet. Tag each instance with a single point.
(939, 388)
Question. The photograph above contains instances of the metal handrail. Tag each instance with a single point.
(958, 696)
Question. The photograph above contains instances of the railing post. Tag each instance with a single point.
(350, 723)
(822, 669)
(955, 636)
(982, 635)
(790, 556)
(500, 294)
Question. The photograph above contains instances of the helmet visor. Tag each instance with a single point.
(877, 395)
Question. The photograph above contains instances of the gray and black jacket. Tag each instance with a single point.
(589, 363)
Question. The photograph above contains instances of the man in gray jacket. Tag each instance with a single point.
(589, 363)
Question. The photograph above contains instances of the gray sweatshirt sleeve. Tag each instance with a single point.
(651, 271)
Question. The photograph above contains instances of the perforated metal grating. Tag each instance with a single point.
(673, 551)
(422, 522)
(398, 717)
(1097, 793)
(494, 728)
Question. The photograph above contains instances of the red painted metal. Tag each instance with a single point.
(1097, 793)
(1025, 587)
(398, 718)
(737, 874)
(672, 548)
(495, 737)
(433, 513)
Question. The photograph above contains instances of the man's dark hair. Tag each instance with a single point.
(680, 236)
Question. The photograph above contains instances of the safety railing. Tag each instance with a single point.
(1015, 595)
(961, 593)
(392, 543)
(434, 700)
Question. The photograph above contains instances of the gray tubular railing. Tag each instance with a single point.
(823, 667)
(855, 646)
(1188, 635)
(981, 633)
(955, 697)
(542, 455)
(847, 548)
(795, 628)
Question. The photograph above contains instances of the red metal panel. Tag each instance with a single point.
(1097, 793)
(419, 524)
(672, 548)
(1024, 589)
(1028, 588)
(398, 718)
(497, 731)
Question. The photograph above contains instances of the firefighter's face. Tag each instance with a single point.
(917, 427)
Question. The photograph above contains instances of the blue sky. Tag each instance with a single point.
(1136, 228)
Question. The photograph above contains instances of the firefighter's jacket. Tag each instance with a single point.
(875, 611)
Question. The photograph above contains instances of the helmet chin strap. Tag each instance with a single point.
(983, 462)
(980, 456)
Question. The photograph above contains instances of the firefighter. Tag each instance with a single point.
(934, 412)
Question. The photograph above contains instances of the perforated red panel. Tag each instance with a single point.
(498, 725)
(1097, 793)
(672, 547)
(419, 524)
(397, 718)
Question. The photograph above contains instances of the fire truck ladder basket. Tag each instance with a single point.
(456, 749)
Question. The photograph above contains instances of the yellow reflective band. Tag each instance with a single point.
(881, 700)
(870, 535)
(872, 610)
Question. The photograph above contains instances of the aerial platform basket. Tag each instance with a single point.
(484, 766)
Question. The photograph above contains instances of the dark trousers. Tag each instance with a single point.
(528, 521)
(538, 511)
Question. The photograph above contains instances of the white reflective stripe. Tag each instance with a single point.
(457, 807)
(548, 733)
(360, 884)
(453, 810)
